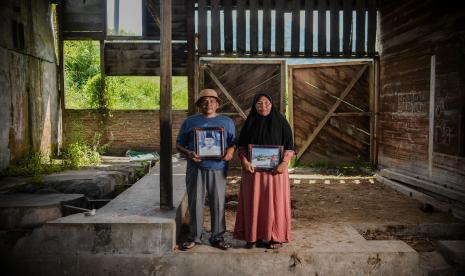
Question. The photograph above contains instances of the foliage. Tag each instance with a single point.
(32, 163)
(78, 154)
(84, 84)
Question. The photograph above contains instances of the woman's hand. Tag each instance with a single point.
(246, 165)
(281, 168)
(193, 156)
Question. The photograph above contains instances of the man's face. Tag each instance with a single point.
(208, 105)
(209, 142)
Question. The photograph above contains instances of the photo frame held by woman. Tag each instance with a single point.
(264, 157)
(209, 142)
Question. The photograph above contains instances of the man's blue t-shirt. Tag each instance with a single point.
(186, 137)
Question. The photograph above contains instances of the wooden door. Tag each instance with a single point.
(330, 108)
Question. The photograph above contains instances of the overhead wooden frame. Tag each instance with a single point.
(237, 81)
(323, 98)
(84, 19)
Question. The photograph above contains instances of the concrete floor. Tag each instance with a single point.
(132, 236)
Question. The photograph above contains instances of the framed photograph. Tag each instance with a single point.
(265, 158)
(209, 142)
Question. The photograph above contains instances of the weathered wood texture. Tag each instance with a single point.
(242, 81)
(411, 32)
(314, 92)
(151, 19)
(141, 59)
(29, 102)
(293, 38)
(84, 19)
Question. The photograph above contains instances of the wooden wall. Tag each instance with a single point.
(411, 32)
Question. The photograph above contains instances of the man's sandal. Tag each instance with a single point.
(188, 245)
(223, 245)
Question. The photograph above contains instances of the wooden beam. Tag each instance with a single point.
(215, 26)
(253, 27)
(372, 15)
(279, 27)
(334, 35)
(330, 112)
(166, 168)
(190, 24)
(360, 40)
(240, 26)
(225, 92)
(116, 18)
(295, 36)
(266, 27)
(351, 114)
(347, 28)
(228, 27)
(432, 88)
(332, 96)
(309, 27)
(202, 26)
(371, 89)
(322, 28)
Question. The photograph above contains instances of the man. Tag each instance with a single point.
(208, 174)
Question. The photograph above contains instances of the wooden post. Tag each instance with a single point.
(166, 168)
(61, 74)
(190, 22)
(432, 87)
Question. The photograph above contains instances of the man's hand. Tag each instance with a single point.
(281, 168)
(194, 157)
(246, 165)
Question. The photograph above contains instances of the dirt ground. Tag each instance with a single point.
(329, 198)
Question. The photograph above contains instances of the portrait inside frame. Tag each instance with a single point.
(265, 158)
(209, 142)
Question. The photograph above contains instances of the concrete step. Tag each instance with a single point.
(31, 210)
(434, 264)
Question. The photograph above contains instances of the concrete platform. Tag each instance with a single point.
(453, 250)
(31, 210)
(132, 236)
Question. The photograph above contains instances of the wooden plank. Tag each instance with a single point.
(360, 25)
(282, 106)
(432, 88)
(334, 17)
(375, 110)
(309, 27)
(322, 123)
(290, 89)
(351, 114)
(322, 28)
(202, 26)
(295, 36)
(85, 16)
(347, 28)
(225, 92)
(423, 184)
(166, 167)
(228, 27)
(141, 59)
(279, 31)
(371, 87)
(253, 27)
(83, 35)
(215, 26)
(240, 24)
(415, 194)
(266, 27)
(372, 15)
(190, 23)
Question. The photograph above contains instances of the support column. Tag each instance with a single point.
(166, 168)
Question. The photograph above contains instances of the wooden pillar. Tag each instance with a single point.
(61, 76)
(190, 22)
(166, 169)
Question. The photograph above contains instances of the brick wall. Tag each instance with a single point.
(127, 129)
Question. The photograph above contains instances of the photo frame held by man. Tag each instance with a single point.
(209, 142)
(265, 158)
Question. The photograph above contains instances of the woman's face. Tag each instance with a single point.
(263, 106)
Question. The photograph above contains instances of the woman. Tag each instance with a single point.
(264, 211)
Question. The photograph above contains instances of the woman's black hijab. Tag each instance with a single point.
(266, 130)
